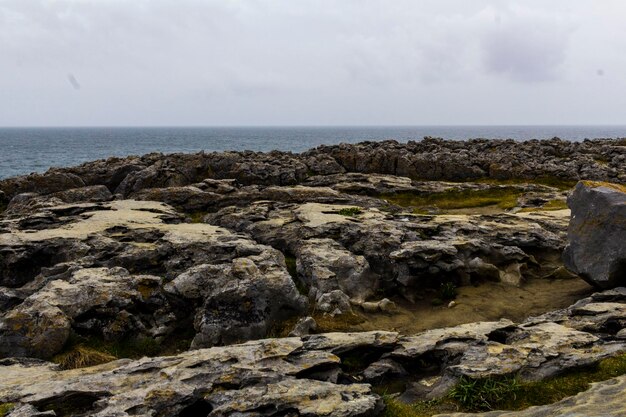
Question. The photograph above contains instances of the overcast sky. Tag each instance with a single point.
(312, 62)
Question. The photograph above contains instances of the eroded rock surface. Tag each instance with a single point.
(596, 233)
(317, 375)
(402, 252)
(129, 268)
(430, 159)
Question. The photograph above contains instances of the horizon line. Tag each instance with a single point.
(244, 126)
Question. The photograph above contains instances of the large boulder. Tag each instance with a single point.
(596, 233)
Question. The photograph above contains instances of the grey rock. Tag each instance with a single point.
(304, 326)
(133, 269)
(326, 266)
(383, 368)
(596, 232)
(240, 379)
(334, 302)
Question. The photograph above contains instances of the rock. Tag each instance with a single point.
(429, 159)
(596, 232)
(326, 266)
(384, 368)
(132, 269)
(311, 374)
(385, 305)
(405, 253)
(303, 327)
(234, 380)
(334, 302)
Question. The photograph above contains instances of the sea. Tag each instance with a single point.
(27, 150)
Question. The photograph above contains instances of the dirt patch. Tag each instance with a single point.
(486, 302)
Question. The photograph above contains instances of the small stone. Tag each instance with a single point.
(303, 327)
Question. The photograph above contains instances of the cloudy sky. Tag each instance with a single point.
(312, 62)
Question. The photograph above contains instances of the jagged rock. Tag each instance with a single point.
(303, 327)
(154, 275)
(405, 252)
(307, 374)
(384, 368)
(596, 233)
(430, 159)
(270, 375)
(334, 302)
(326, 266)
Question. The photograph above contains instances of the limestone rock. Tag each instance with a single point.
(133, 269)
(326, 266)
(270, 375)
(596, 233)
(303, 327)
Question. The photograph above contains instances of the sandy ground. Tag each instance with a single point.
(486, 302)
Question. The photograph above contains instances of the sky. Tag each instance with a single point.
(312, 62)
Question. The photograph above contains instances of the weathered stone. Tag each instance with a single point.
(234, 380)
(304, 326)
(235, 288)
(326, 266)
(596, 233)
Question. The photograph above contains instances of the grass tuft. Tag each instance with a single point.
(197, 216)
(510, 394)
(395, 408)
(550, 181)
(81, 356)
(6, 408)
(484, 394)
(570, 383)
(350, 211)
(447, 291)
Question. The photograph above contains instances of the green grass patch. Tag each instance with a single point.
(484, 394)
(555, 205)
(503, 197)
(570, 383)
(197, 216)
(395, 408)
(350, 211)
(550, 181)
(339, 323)
(508, 393)
(447, 291)
(290, 261)
(6, 409)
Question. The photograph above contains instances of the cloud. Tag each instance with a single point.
(308, 62)
(526, 45)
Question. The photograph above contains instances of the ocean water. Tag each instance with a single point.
(26, 150)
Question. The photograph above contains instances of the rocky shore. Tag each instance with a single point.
(245, 278)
